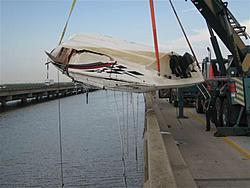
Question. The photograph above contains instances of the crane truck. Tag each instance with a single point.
(225, 96)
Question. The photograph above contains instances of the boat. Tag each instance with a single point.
(105, 62)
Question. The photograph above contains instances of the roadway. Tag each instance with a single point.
(214, 162)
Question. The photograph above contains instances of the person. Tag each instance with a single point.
(181, 66)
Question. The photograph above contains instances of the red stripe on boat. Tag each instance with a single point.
(91, 67)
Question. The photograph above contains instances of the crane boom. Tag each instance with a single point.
(228, 105)
(228, 29)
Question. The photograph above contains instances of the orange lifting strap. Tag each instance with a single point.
(151, 2)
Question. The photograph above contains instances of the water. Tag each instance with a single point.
(29, 142)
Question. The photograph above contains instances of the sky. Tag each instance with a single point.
(28, 28)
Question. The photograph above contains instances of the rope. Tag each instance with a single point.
(137, 126)
(121, 143)
(134, 123)
(137, 112)
(47, 72)
(123, 120)
(66, 25)
(145, 115)
(87, 96)
(137, 115)
(127, 131)
(59, 101)
(184, 33)
(60, 130)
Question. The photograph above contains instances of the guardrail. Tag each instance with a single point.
(38, 91)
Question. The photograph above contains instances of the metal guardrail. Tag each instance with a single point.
(10, 92)
(29, 86)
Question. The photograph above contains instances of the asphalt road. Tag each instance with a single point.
(215, 162)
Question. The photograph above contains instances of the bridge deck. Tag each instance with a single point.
(10, 92)
(211, 161)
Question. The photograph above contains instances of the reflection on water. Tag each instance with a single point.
(29, 142)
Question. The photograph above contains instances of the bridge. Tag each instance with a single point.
(38, 91)
(178, 152)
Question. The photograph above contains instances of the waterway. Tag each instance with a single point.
(91, 141)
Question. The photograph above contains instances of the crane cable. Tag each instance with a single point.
(59, 101)
(137, 118)
(184, 33)
(151, 3)
(134, 124)
(123, 121)
(66, 24)
(60, 130)
(121, 141)
(127, 122)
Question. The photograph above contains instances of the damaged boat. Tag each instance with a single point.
(108, 63)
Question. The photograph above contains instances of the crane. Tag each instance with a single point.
(228, 100)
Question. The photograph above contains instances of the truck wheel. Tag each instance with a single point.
(225, 114)
(198, 105)
(218, 112)
(229, 114)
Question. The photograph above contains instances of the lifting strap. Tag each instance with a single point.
(151, 2)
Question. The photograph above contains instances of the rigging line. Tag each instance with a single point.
(184, 33)
(137, 125)
(60, 130)
(106, 93)
(133, 116)
(87, 96)
(118, 119)
(121, 143)
(122, 128)
(137, 117)
(66, 24)
(131, 97)
(123, 120)
(47, 72)
(145, 115)
(59, 101)
(108, 98)
(137, 112)
(127, 131)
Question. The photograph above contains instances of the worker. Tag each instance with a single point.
(181, 66)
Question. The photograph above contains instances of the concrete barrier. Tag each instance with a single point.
(158, 169)
(164, 165)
